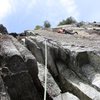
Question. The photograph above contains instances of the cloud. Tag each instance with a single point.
(31, 12)
(70, 7)
(5, 8)
(31, 4)
(8, 7)
(27, 4)
(56, 10)
(50, 3)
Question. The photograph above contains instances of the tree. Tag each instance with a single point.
(47, 24)
(69, 20)
(37, 27)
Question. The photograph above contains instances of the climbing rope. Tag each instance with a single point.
(46, 71)
(45, 86)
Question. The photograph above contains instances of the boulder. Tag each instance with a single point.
(3, 29)
(14, 34)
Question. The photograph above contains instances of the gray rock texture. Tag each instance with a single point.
(73, 61)
(3, 29)
(52, 87)
(19, 72)
(66, 96)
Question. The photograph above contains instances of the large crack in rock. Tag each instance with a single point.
(3, 92)
(52, 86)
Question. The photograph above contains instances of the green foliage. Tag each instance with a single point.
(47, 24)
(69, 20)
(37, 27)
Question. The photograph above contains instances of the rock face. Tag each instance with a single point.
(3, 93)
(74, 68)
(66, 96)
(19, 72)
(52, 87)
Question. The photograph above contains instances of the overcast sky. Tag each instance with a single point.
(19, 15)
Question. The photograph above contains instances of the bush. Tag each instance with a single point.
(37, 27)
(47, 24)
(69, 20)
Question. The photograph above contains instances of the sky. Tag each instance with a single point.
(20, 15)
